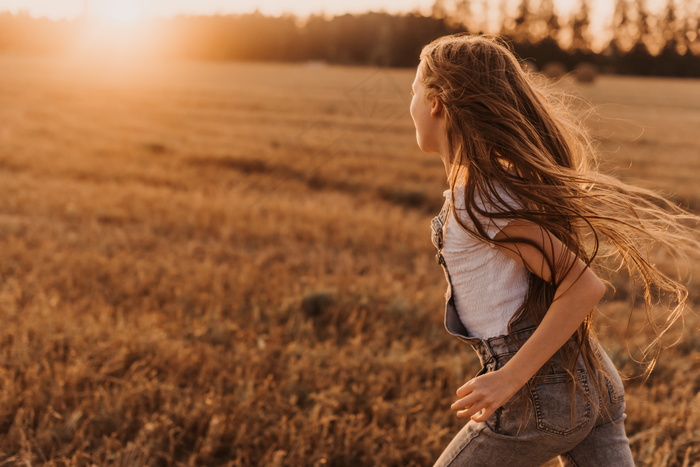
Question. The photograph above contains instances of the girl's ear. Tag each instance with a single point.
(436, 107)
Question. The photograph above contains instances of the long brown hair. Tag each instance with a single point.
(505, 128)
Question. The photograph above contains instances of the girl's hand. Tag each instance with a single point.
(484, 394)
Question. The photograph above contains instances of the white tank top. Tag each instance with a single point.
(488, 286)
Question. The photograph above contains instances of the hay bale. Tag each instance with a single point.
(554, 70)
(314, 304)
(586, 72)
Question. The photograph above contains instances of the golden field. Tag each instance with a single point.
(229, 264)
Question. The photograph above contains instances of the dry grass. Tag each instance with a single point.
(229, 264)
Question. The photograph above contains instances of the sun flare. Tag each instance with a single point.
(118, 29)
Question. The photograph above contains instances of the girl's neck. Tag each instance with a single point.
(461, 176)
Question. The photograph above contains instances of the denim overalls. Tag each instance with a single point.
(487, 350)
(535, 425)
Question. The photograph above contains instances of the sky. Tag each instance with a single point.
(132, 9)
(129, 10)
(73, 8)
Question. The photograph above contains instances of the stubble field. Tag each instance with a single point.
(230, 264)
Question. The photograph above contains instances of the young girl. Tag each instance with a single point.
(523, 220)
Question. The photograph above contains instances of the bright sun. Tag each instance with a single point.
(119, 10)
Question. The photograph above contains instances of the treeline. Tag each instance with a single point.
(367, 39)
(666, 43)
(663, 43)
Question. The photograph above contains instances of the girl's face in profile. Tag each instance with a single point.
(425, 114)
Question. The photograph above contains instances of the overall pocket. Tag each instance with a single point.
(613, 382)
(616, 391)
(552, 403)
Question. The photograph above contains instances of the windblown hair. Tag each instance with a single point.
(505, 129)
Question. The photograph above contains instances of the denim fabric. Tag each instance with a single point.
(537, 424)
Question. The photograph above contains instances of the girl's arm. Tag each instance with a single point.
(579, 291)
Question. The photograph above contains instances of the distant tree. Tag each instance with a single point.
(252, 36)
(439, 9)
(521, 23)
(315, 40)
(580, 40)
(381, 52)
(545, 22)
(463, 13)
(552, 20)
(643, 33)
(411, 33)
(695, 31)
(675, 57)
(638, 59)
(456, 12)
(690, 25)
(670, 28)
(628, 47)
(676, 29)
(482, 24)
(621, 40)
